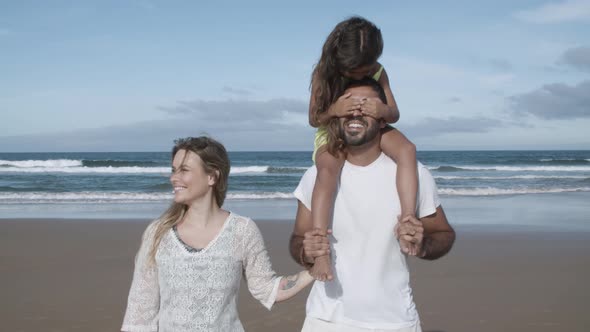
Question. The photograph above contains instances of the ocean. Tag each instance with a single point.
(135, 184)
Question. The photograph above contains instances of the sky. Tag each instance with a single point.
(81, 76)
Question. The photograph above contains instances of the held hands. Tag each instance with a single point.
(315, 244)
(410, 233)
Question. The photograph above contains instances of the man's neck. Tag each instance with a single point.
(365, 154)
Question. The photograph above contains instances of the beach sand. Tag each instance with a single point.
(74, 275)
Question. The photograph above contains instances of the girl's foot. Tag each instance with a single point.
(322, 268)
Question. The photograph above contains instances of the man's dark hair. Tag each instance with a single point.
(370, 82)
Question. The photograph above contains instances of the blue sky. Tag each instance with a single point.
(134, 75)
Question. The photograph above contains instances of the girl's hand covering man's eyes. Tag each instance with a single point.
(373, 107)
(345, 106)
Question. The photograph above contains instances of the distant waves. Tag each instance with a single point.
(121, 177)
(118, 197)
(118, 166)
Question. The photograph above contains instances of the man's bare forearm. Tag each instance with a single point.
(436, 245)
(296, 249)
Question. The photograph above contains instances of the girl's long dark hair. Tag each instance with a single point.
(353, 43)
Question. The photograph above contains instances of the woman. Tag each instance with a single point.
(191, 260)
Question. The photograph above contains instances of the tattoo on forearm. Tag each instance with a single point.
(291, 282)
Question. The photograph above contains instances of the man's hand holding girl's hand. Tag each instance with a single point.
(410, 233)
(315, 244)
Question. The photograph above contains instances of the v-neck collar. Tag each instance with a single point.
(211, 243)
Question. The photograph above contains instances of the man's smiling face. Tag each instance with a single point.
(357, 129)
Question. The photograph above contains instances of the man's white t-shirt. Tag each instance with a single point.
(371, 286)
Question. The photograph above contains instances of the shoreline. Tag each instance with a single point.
(555, 212)
(488, 228)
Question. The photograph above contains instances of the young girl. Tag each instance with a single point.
(351, 52)
(191, 260)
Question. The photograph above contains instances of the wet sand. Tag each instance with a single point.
(74, 275)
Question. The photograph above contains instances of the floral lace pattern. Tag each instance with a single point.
(197, 291)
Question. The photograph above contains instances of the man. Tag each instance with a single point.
(370, 289)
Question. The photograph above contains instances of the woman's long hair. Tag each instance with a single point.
(215, 162)
(353, 43)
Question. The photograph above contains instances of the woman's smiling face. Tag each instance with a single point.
(189, 178)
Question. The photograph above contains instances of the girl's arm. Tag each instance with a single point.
(391, 112)
(401, 150)
(375, 108)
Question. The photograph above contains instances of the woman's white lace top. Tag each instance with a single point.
(198, 291)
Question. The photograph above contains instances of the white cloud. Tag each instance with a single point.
(565, 11)
(159, 135)
(242, 114)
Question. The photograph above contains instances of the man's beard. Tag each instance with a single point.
(360, 138)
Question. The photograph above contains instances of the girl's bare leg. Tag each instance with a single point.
(322, 204)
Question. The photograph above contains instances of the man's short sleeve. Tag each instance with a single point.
(428, 199)
(304, 190)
